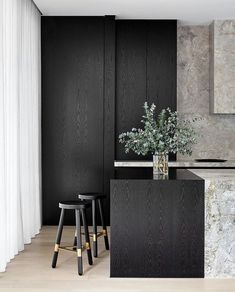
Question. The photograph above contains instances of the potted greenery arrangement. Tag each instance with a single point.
(162, 134)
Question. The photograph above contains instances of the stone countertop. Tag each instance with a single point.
(178, 163)
(215, 174)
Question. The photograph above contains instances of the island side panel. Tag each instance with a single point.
(220, 228)
(157, 228)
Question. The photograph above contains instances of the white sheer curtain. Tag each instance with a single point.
(20, 91)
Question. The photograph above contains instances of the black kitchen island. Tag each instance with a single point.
(157, 225)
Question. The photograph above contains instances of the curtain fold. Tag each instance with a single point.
(20, 125)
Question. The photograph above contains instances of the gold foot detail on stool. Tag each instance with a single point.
(87, 245)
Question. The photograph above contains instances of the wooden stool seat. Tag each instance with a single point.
(90, 196)
(74, 205)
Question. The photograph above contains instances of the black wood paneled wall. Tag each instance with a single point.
(96, 74)
(77, 109)
(145, 70)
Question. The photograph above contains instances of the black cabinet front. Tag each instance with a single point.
(145, 71)
(157, 228)
(72, 110)
(96, 75)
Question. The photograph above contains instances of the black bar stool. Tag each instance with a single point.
(96, 198)
(80, 210)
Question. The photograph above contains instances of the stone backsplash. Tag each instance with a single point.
(216, 132)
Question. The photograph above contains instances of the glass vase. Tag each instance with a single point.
(160, 164)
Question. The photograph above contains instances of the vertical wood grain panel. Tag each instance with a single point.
(161, 63)
(157, 228)
(130, 78)
(145, 70)
(72, 110)
(109, 106)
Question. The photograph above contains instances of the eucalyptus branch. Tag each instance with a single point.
(162, 133)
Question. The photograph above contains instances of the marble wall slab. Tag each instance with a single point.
(215, 137)
(193, 69)
(216, 132)
(223, 64)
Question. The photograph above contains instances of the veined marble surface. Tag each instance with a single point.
(178, 163)
(216, 132)
(223, 64)
(219, 222)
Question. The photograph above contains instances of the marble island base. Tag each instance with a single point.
(219, 222)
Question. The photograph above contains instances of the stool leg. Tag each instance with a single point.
(79, 242)
(58, 239)
(87, 237)
(95, 248)
(75, 241)
(106, 240)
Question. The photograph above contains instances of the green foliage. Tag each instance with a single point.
(163, 133)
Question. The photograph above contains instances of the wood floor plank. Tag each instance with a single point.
(31, 271)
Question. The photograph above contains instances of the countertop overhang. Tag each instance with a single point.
(176, 164)
(147, 174)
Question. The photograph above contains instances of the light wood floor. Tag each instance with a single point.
(31, 271)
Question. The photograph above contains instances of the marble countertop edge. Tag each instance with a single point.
(178, 163)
